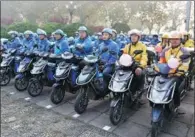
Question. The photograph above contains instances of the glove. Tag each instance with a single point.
(101, 67)
(79, 47)
(57, 47)
(104, 49)
(138, 71)
(35, 46)
(101, 62)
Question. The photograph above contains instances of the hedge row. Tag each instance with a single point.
(48, 27)
(51, 27)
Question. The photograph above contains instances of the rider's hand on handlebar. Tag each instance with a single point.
(105, 49)
(57, 47)
(176, 74)
(138, 71)
(79, 47)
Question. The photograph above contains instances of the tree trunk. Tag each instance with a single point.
(71, 14)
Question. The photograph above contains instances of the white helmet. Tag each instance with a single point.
(175, 35)
(134, 31)
(41, 32)
(125, 60)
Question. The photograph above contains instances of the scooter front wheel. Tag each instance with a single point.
(21, 84)
(35, 87)
(116, 113)
(81, 102)
(155, 129)
(57, 95)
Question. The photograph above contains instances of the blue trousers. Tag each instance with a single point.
(107, 71)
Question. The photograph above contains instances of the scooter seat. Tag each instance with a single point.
(67, 55)
(91, 59)
(51, 64)
(54, 56)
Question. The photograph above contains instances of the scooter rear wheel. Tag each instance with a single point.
(57, 95)
(35, 87)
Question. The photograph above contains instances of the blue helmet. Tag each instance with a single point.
(107, 30)
(13, 33)
(82, 28)
(28, 32)
(113, 30)
(59, 31)
(70, 39)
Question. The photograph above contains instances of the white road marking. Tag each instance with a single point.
(75, 115)
(106, 128)
(11, 93)
(49, 106)
(27, 98)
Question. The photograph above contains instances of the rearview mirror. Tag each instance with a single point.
(184, 57)
(136, 52)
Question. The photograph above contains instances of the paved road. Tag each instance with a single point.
(24, 116)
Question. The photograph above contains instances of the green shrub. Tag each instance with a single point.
(51, 27)
(48, 27)
(71, 28)
(4, 33)
(121, 27)
(22, 26)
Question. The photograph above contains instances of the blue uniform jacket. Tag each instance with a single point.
(29, 43)
(63, 46)
(87, 46)
(107, 57)
(43, 45)
(15, 43)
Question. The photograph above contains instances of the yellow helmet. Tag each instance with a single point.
(165, 36)
(175, 35)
